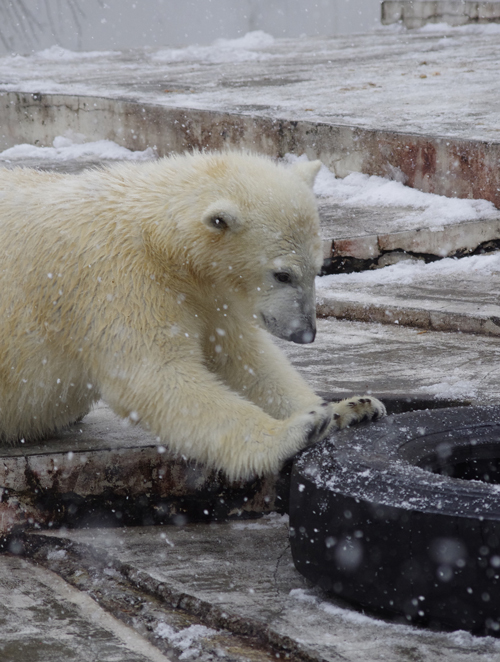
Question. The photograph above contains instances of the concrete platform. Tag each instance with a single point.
(382, 104)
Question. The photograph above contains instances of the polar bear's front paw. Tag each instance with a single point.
(316, 423)
(354, 410)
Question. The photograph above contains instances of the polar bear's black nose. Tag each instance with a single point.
(304, 336)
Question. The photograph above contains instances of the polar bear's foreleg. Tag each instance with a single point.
(198, 416)
(266, 377)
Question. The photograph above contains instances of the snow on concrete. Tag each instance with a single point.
(185, 640)
(248, 48)
(55, 53)
(413, 272)
(356, 358)
(73, 146)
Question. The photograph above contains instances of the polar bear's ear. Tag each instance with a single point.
(223, 216)
(307, 171)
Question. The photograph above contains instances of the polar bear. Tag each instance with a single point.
(151, 286)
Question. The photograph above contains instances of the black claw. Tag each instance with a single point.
(311, 435)
(323, 427)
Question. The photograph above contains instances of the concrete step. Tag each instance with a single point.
(356, 237)
(444, 296)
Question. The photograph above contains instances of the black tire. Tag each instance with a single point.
(402, 517)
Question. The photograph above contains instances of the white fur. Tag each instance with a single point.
(148, 285)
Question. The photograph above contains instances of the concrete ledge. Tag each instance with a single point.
(446, 166)
(114, 475)
(435, 315)
(416, 13)
(458, 239)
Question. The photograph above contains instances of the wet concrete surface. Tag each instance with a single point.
(353, 357)
(44, 619)
(240, 575)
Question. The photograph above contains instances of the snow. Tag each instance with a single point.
(412, 272)
(58, 53)
(185, 639)
(462, 388)
(360, 190)
(244, 49)
(72, 146)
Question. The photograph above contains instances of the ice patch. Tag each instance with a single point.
(66, 148)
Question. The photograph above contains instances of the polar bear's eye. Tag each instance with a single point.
(218, 222)
(283, 277)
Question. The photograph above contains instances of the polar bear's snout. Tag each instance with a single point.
(301, 330)
(290, 314)
(304, 336)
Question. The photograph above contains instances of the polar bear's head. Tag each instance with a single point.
(262, 233)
